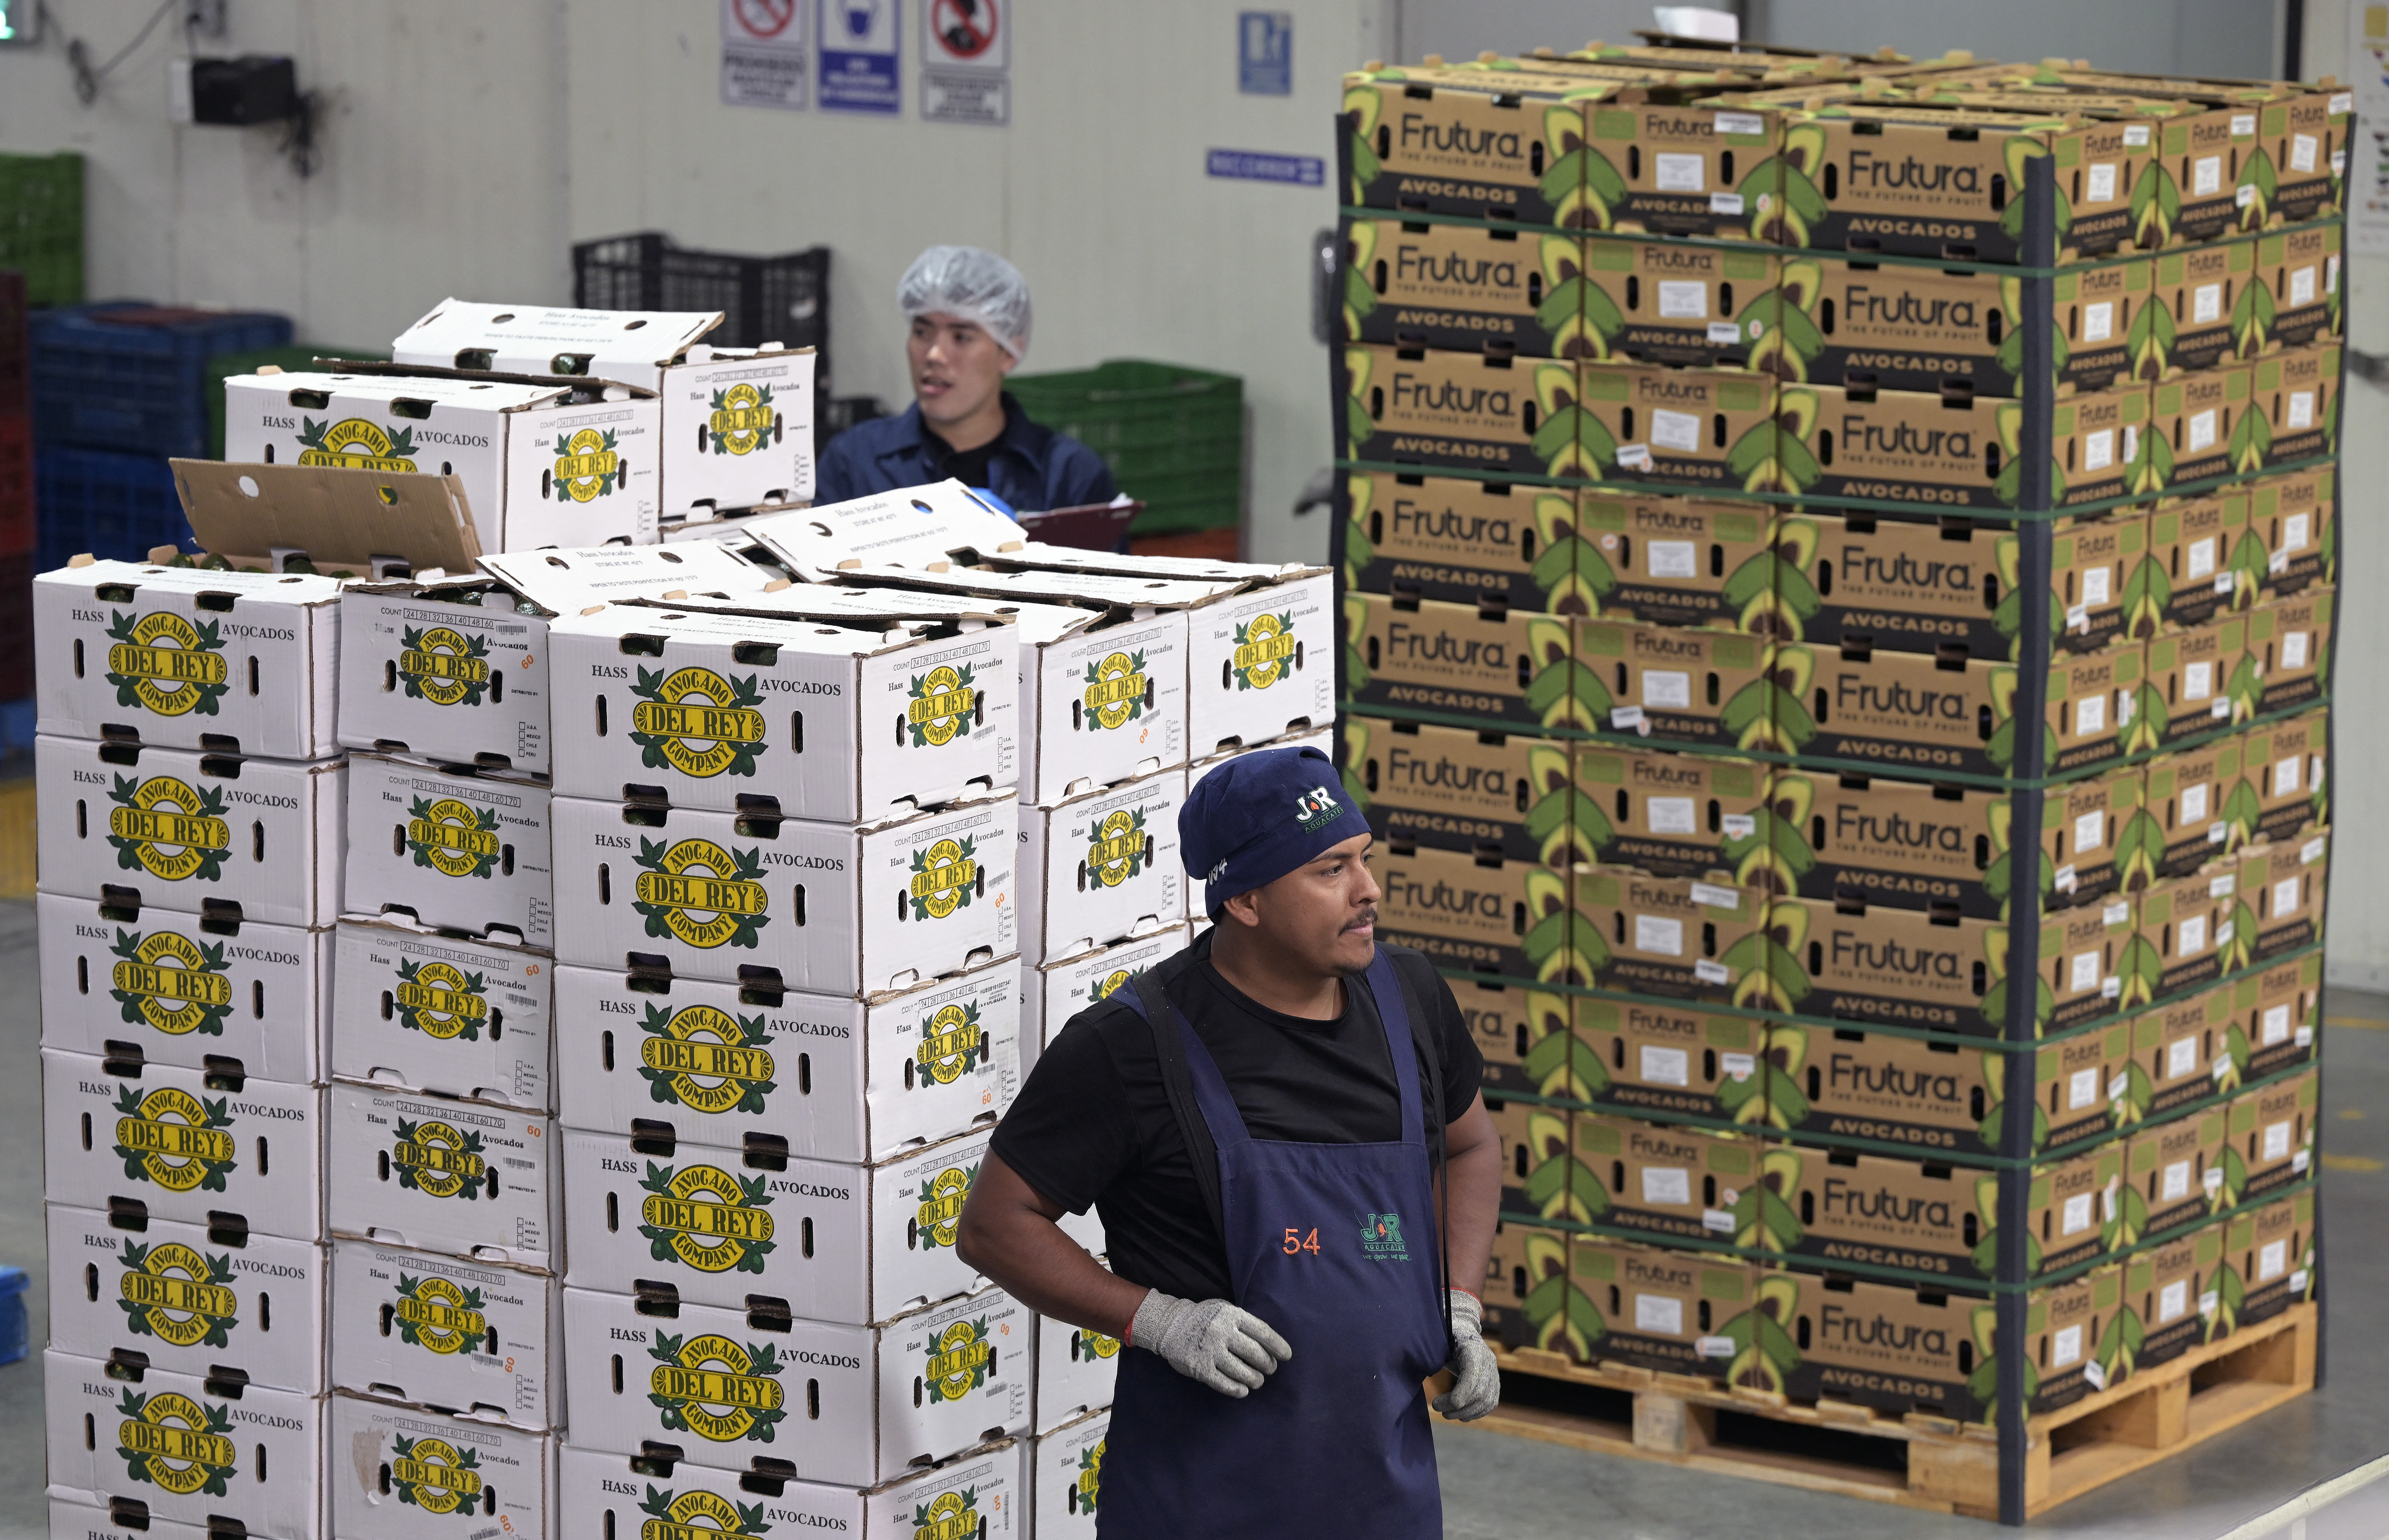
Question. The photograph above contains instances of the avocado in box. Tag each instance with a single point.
(1479, 913)
(228, 838)
(1675, 684)
(1680, 427)
(1862, 962)
(1076, 1369)
(453, 849)
(2197, 811)
(1682, 815)
(1437, 536)
(832, 1242)
(822, 908)
(1935, 1098)
(1469, 288)
(2167, 1288)
(1904, 584)
(2296, 516)
(231, 662)
(188, 1297)
(455, 666)
(1525, 1287)
(2199, 557)
(185, 1450)
(2200, 681)
(973, 1361)
(425, 1012)
(1665, 302)
(1681, 937)
(400, 1459)
(1908, 710)
(542, 460)
(737, 423)
(1898, 1349)
(2302, 267)
(1480, 144)
(1680, 561)
(184, 989)
(183, 1145)
(1892, 327)
(1678, 1182)
(2279, 1016)
(2177, 1167)
(821, 1077)
(1066, 1478)
(1664, 1059)
(738, 713)
(2293, 407)
(440, 1174)
(1903, 843)
(2206, 424)
(1954, 452)
(1467, 411)
(2278, 906)
(2290, 645)
(475, 1337)
(1452, 789)
(2207, 296)
(1660, 1310)
(1423, 656)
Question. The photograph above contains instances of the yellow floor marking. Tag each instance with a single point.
(2353, 1021)
(2351, 1114)
(2353, 1163)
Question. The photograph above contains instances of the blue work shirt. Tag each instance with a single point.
(1033, 468)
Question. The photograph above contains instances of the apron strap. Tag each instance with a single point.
(1170, 1035)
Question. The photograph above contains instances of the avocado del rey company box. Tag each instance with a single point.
(1469, 288)
(1438, 537)
(856, 1244)
(235, 662)
(439, 1174)
(253, 998)
(1102, 866)
(422, 1010)
(451, 847)
(827, 908)
(737, 422)
(1051, 996)
(1675, 815)
(435, 1467)
(1452, 411)
(544, 461)
(1454, 789)
(1678, 561)
(1412, 654)
(817, 1076)
(987, 1486)
(474, 1336)
(1674, 684)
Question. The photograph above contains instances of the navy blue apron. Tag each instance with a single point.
(1334, 1245)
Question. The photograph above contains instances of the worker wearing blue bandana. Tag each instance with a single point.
(1282, 1130)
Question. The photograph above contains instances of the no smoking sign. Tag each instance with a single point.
(966, 61)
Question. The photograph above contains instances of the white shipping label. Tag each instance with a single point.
(2077, 619)
(2099, 321)
(2089, 832)
(2208, 1300)
(1726, 203)
(2302, 286)
(2276, 1140)
(2136, 135)
(2089, 714)
(1711, 972)
(1710, 896)
(1665, 1066)
(2293, 531)
(2294, 650)
(1656, 933)
(1666, 1184)
(2207, 176)
(2190, 936)
(1659, 1314)
(1670, 815)
(1715, 1347)
(1682, 174)
(2299, 1161)
(2173, 1301)
(2131, 444)
(2223, 886)
(1634, 457)
(2086, 971)
(2197, 680)
(2181, 1058)
(1725, 334)
(2175, 1186)
(2097, 587)
(2098, 448)
(2206, 304)
(1680, 432)
(1738, 1066)
(2094, 1376)
(2065, 1348)
(2221, 1069)
(1667, 687)
(1717, 1219)
(2081, 1090)
(1682, 300)
(2301, 411)
(2198, 561)
(1672, 558)
(2330, 274)
(2068, 879)
(1628, 715)
(2118, 1086)
(1739, 825)
(2276, 1025)
(2303, 149)
(2212, 1180)
(2285, 898)
(2285, 775)
(2122, 708)
(2306, 1037)
(2311, 851)
(2100, 186)
(2193, 804)
(2114, 914)
(1741, 122)
(2078, 1214)
(2298, 1281)
(2272, 1260)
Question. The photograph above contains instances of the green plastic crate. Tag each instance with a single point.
(1174, 437)
(41, 225)
(303, 355)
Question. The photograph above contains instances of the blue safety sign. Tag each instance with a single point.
(858, 56)
(1265, 53)
(1301, 171)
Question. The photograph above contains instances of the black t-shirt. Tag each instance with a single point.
(966, 465)
(1094, 1125)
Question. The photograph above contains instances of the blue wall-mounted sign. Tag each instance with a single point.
(858, 56)
(1300, 170)
(1265, 53)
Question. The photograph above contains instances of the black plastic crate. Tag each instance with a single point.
(783, 299)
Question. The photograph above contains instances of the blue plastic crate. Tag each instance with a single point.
(132, 377)
(16, 738)
(15, 1339)
(119, 505)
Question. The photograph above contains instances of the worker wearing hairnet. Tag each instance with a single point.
(970, 322)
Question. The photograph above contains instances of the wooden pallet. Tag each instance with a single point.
(1918, 1460)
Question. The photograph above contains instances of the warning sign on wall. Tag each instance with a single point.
(966, 61)
(859, 63)
(763, 53)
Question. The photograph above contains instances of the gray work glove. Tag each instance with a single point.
(1227, 1349)
(1477, 1387)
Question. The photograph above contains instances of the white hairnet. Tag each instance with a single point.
(974, 285)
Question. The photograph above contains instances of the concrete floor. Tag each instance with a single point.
(2243, 1487)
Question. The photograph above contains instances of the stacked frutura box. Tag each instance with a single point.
(1814, 557)
(191, 788)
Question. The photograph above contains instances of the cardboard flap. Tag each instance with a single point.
(565, 580)
(840, 605)
(1038, 555)
(529, 338)
(577, 389)
(908, 527)
(339, 518)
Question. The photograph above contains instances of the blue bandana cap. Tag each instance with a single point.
(1261, 815)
